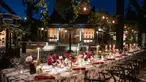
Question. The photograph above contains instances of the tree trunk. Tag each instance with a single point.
(120, 25)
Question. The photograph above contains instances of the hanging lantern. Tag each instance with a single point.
(84, 7)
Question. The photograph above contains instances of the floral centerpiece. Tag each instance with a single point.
(31, 62)
(71, 56)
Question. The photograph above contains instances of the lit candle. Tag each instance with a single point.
(38, 56)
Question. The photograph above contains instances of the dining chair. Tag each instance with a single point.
(92, 76)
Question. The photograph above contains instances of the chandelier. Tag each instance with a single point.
(84, 7)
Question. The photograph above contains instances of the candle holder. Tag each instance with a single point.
(97, 48)
(38, 56)
(87, 48)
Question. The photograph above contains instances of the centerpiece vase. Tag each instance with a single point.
(32, 68)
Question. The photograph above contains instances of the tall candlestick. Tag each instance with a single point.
(87, 48)
(77, 50)
(78, 45)
(105, 47)
(110, 47)
(130, 47)
(113, 48)
(38, 56)
(97, 47)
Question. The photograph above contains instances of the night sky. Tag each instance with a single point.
(107, 5)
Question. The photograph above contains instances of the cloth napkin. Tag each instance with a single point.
(118, 56)
(79, 68)
(39, 77)
(110, 59)
(98, 62)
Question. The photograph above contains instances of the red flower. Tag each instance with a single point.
(74, 60)
(88, 53)
(67, 55)
(55, 57)
(50, 60)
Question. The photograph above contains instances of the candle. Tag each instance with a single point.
(129, 47)
(78, 45)
(105, 47)
(77, 50)
(87, 48)
(38, 55)
(97, 47)
(110, 47)
(113, 48)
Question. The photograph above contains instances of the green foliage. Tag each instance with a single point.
(131, 28)
(74, 54)
(75, 9)
(94, 19)
(44, 17)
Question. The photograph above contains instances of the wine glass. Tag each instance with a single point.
(12, 62)
(16, 62)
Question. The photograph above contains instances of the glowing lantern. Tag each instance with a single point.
(84, 7)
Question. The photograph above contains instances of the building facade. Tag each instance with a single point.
(79, 33)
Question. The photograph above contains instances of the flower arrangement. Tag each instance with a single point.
(52, 59)
(87, 55)
(71, 56)
(29, 59)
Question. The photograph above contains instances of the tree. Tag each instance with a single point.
(44, 12)
(103, 21)
(60, 5)
(4, 5)
(130, 14)
(141, 11)
(131, 25)
(43, 6)
(130, 29)
(31, 23)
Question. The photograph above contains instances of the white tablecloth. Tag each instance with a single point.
(18, 75)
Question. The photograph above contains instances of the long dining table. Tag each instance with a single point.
(62, 74)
